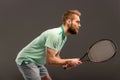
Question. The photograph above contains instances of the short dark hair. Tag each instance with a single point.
(69, 15)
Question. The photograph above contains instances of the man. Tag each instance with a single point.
(45, 49)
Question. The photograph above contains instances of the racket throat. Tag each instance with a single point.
(85, 61)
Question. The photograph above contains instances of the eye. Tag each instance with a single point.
(78, 22)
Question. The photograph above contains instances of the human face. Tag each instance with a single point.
(74, 25)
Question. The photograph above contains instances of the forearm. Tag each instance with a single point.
(57, 61)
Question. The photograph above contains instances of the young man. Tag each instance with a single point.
(45, 49)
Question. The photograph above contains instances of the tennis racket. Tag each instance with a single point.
(100, 51)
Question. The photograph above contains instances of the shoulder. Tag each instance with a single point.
(52, 32)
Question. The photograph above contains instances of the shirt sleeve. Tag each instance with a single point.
(51, 41)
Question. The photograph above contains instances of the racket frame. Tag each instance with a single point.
(86, 54)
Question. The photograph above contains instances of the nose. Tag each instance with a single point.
(79, 25)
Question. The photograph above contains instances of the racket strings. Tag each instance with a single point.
(101, 51)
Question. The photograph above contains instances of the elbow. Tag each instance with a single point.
(49, 62)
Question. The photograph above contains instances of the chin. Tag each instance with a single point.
(72, 31)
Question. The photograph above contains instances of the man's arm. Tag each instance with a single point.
(58, 54)
(52, 58)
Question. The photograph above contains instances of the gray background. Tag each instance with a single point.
(23, 20)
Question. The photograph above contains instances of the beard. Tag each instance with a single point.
(71, 29)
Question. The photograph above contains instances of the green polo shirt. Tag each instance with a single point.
(35, 51)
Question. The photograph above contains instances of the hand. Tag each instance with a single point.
(72, 63)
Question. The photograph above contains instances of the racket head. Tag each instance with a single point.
(101, 51)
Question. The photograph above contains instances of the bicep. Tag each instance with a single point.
(50, 52)
(52, 57)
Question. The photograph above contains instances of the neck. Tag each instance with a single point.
(65, 27)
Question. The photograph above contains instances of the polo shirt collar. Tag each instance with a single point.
(63, 32)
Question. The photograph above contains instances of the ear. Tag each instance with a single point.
(68, 21)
